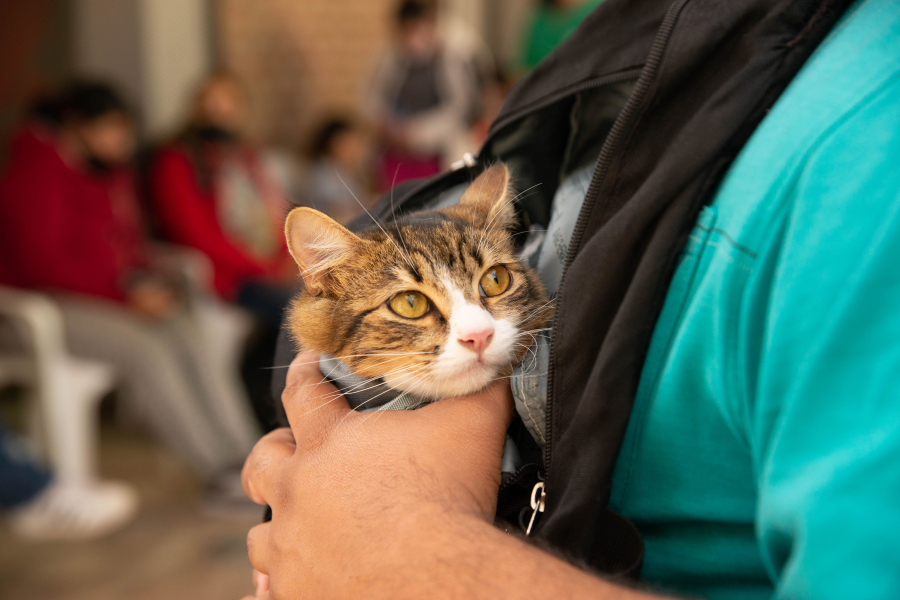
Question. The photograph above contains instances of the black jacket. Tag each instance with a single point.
(666, 94)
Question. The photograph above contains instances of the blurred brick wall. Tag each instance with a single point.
(300, 59)
(34, 55)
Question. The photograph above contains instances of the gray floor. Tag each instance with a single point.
(174, 550)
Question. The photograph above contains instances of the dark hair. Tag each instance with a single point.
(80, 101)
(326, 133)
(410, 11)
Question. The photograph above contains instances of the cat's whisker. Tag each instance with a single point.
(337, 394)
(352, 356)
(489, 226)
(394, 216)
(520, 194)
(537, 330)
(529, 346)
(374, 220)
(404, 382)
(356, 387)
(352, 389)
(534, 312)
(357, 409)
(503, 242)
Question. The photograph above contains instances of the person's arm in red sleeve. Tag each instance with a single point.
(50, 242)
(179, 203)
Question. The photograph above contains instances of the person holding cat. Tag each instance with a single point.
(71, 225)
(724, 338)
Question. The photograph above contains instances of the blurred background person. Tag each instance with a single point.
(210, 191)
(70, 225)
(551, 23)
(493, 94)
(423, 99)
(336, 180)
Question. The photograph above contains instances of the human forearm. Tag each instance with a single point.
(470, 558)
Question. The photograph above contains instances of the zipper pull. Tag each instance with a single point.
(537, 504)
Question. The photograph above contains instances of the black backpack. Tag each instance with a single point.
(665, 94)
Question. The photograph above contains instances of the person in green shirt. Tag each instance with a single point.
(552, 22)
(762, 458)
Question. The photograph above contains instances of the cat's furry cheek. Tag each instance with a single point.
(310, 318)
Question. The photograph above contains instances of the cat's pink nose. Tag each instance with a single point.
(476, 341)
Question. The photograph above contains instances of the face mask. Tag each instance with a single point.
(98, 166)
(211, 133)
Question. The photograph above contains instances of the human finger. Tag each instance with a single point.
(260, 582)
(309, 398)
(258, 477)
(258, 550)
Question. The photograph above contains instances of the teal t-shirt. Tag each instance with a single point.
(762, 459)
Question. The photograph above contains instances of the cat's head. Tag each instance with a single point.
(436, 303)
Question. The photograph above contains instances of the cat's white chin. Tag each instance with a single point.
(462, 381)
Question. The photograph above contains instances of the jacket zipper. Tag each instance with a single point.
(610, 145)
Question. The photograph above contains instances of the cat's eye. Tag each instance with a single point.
(410, 305)
(494, 282)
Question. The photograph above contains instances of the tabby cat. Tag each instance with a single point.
(435, 304)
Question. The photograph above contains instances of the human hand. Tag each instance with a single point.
(359, 500)
(153, 299)
(261, 584)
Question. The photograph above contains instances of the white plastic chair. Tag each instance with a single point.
(64, 391)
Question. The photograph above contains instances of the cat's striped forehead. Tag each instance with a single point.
(435, 250)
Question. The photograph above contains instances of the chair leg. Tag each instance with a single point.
(71, 417)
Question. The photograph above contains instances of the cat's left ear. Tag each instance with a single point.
(488, 200)
(318, 243)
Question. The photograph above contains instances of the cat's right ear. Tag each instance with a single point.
(318, 243)
(487, 201)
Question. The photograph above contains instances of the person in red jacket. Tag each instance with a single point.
(71, 226)
(211, 192)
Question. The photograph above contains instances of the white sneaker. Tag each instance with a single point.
(71, 512)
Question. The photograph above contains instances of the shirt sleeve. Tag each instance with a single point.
(825, 416)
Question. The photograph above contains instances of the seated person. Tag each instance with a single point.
(70, 225)
(211, 192)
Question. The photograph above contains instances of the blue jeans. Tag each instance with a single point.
(20, 479)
